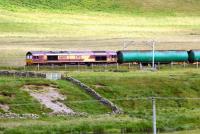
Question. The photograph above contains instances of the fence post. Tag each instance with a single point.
(184, 64)
(172, 64)
(24, 67)
(52, 66)
(65, 66)
(92, 67)
(38, 67)
(85, 67)
(105, 67)
(197, 64)
(140, 66)
(117, 66)
(129, 65)
(78, 66)
(154, 115)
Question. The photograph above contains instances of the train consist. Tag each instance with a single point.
(110, 57)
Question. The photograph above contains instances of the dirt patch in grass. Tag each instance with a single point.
(4, 107)
(99, 85)
(49, 97)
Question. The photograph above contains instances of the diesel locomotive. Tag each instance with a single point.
(70, 57)
(111, 57)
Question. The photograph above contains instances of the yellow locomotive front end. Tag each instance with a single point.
(29, 62)
(29, 59)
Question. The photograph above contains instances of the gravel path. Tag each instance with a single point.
(4, 107)
(50, 97)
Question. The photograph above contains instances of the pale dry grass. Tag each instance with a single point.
(95, 25)
(21, 32)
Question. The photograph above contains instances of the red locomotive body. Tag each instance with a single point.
(70, 57)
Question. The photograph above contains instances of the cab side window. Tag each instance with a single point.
(29, 57)
(114, 56)
(36, 57)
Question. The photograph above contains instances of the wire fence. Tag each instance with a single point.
(123, 99)
(149, 108)
(98, 67)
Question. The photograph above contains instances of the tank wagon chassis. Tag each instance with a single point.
(111, 57)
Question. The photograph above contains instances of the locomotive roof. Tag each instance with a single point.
(69, 52)
(151, 50)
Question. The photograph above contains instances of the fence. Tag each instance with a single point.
(163, 117)
(23, 74)
(103, 68)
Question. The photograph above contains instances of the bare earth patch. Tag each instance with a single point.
(99, 86)
(50, 97)
(4, 107)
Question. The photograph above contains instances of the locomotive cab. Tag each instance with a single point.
(29, 58)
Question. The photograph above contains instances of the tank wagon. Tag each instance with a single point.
(194, 56)
(70, 57)
(147, 56)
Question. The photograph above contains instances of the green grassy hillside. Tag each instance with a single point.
(129, 6)
(20, 101)
(146, 84)
(172, 115)
(123, 88)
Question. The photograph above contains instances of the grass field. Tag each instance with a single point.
(179, 83)
(166, 7)
(21, 102)
(93, 25)
(93, 124)
(102, 25)
(95, 19)
(185, 132)
(172, 115)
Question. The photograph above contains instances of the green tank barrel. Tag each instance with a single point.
(146, 56)
(194, 56)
